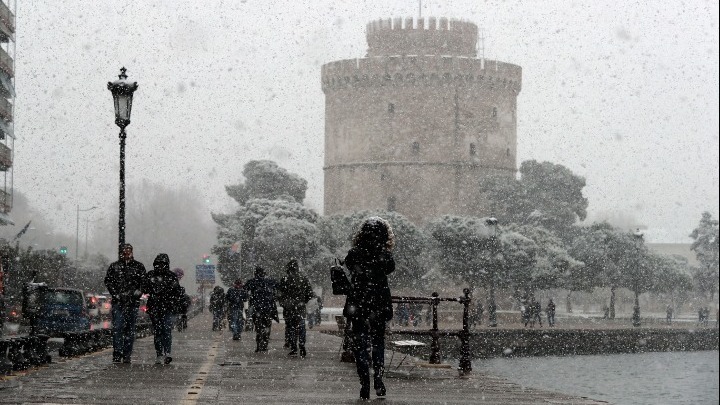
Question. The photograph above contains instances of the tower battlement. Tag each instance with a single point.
(422, 36)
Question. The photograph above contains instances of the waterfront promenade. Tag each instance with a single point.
(210, 368)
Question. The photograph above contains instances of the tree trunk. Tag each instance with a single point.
(612, 302)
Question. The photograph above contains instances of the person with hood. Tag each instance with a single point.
(236, 297)
(368, 306)
(550, 312)
(261, 292)
(294, 291)
(217, 307)
(165, 297)
(124, 280)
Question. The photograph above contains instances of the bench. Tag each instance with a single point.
(404, 344)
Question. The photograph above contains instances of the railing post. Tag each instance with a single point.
(435, 346)
(465, 365)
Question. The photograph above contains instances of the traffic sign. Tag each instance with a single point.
(205, 273)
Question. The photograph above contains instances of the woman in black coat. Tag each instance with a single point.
(369, 306)
(164, 289)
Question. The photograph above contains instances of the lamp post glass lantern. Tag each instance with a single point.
(122, 91)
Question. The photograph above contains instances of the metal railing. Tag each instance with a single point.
(465, 361)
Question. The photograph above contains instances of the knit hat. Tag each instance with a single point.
(162, 260)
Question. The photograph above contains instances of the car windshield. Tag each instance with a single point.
(64, 297)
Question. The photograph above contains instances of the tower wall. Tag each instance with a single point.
(416, 133)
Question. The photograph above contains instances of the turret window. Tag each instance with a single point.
(473, 150)
(415, 148)
(494, 112)
(391, 108)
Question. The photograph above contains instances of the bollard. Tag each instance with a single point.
(435, 344)
(465, 365)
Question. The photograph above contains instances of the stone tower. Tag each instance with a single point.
(416, 124)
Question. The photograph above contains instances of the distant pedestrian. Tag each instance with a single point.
(235, 298)
(124, 280)
(550, 312)
(535, 312)
(668, 314)
(310, 311)
(403, 313)
(368, 305)
(701, 316)
(217, 307)
(181, 319)
(261, 292)
(165, 296)
(479, 309)
(294, 291)
(606, 312)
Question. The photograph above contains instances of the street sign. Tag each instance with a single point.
(205, 273)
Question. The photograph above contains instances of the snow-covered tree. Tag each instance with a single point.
(547, 194)
(265, 179)
(706, 240)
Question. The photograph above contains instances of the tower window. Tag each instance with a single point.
(391, 108)
(415, 148)
(391, 203)
(507, 152)
(494, 112)
(473, 151)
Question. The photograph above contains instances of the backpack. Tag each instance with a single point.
(181, 302)
(340, 283)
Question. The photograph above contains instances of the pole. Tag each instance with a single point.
(86, 236)
(121, 219)
(465, 365)
(434, 345)
(77, 232)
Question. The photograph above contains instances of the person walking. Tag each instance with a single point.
(166, 296)
(236, 297)
(550, 312)
(217, 307)
(311, 312)
(368, 305)
(668, 314)
(184, 306)
(261, 292)
(294, 291)
(124, 280)
(536, 313)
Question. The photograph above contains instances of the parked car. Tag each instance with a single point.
(104, 306)
(62, 310)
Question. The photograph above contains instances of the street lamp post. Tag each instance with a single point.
(636, 308)
(122, 91)
(77, 229)
(492, 307)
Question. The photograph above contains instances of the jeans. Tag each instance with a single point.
(551, 318)
(237, 322)
(217, 319)
(369, 331)
(123, 330)
(295, 326)
(263, 323)
(162, 333)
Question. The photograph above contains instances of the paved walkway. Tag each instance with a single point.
(210, 368)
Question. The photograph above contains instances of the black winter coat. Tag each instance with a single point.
(236, 298)
(125, 281)
(370, 294)
(294, 292)
(262, 296)
(165, 292)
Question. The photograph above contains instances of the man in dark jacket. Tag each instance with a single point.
(124, 280)
(236, 297)
(261, 291)
(294, 291)
(165, 297)
(217, 307)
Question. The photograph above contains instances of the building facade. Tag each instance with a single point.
(7, 102)
(415, 125)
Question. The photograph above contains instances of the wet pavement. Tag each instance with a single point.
(210, 368)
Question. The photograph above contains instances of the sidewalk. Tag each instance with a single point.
(210, 368)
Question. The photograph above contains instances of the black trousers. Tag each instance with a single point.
(262, 323)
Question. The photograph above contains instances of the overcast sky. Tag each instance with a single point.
(625, 94)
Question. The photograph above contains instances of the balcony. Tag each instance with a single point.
(5, 157)
(6, 63)
(5, 204)
(6, 109)
(7, 23)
